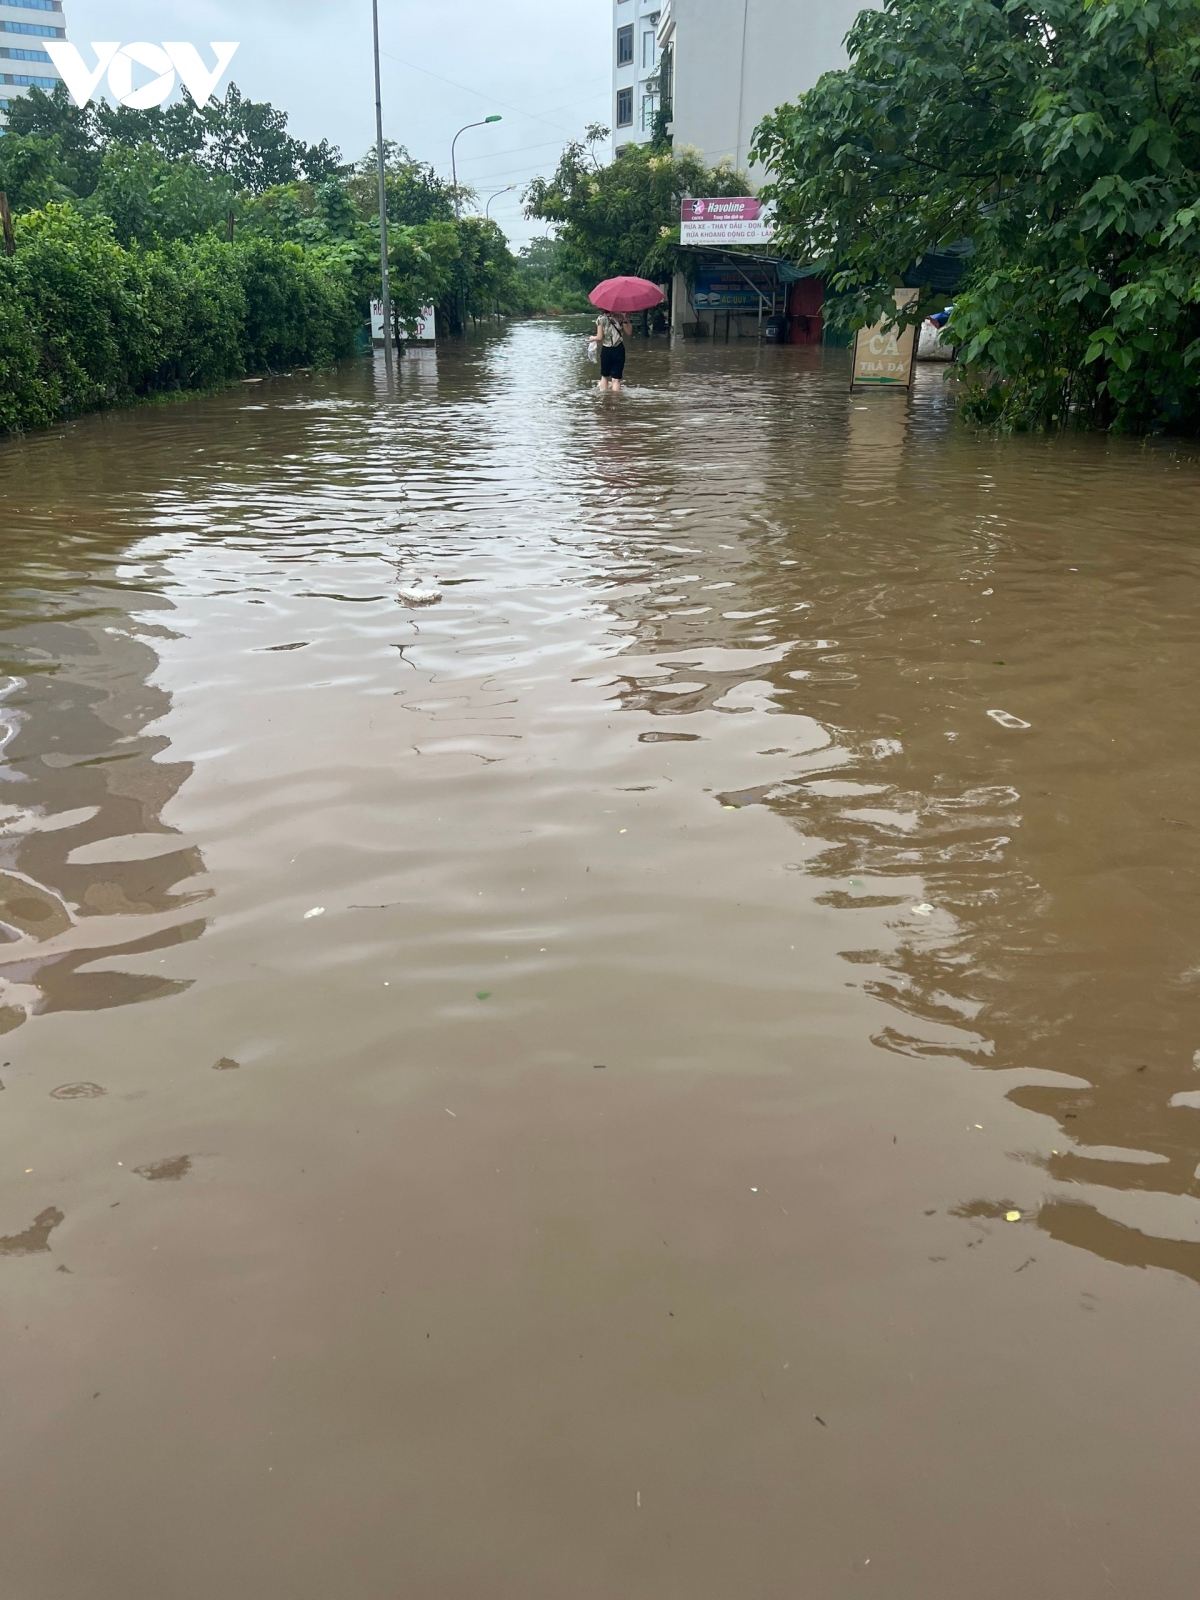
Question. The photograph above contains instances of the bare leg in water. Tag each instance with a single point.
(614, 382)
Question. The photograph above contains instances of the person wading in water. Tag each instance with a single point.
(611, 333)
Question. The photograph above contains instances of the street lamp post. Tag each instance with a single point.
(495, 117)
(383, 228)
(487, 210)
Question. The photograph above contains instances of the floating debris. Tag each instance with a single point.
(1007, 720)
(418, 596)
(77, 1091)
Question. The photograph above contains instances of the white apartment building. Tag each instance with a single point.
(636, 91)
(719, 65)
(25, 64)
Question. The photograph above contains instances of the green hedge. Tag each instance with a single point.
(85, 323)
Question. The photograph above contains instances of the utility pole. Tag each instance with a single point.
(383, 229)
(10, 244)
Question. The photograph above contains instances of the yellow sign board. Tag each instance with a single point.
(883, 354)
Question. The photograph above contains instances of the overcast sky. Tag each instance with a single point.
(543, 65)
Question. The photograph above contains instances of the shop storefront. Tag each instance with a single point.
(733, 286)
(728, 296)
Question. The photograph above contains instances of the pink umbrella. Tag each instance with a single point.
(626, 294)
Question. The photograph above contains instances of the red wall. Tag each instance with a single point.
(804, 308)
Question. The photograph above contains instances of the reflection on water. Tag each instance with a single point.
(822, 771)
(88, 868)
(881, 621)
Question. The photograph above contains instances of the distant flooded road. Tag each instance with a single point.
(600, 995)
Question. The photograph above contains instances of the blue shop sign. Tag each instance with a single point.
(726, 289)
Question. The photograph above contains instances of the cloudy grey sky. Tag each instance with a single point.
(544, 65)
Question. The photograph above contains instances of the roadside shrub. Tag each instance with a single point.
(83, 300)
(22, 395)
(296, 310)
(86, 322)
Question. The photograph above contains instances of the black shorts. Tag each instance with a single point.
(612, 360)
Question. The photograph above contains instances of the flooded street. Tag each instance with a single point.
(667, 1073)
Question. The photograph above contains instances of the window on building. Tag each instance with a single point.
(35, 5)
(624, 108)
(649, 50)
(22, 82)
(25, 55)
(649, 112)
(625, 46)
(35, 28)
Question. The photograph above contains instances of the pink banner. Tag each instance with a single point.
(740, 208)
(725, 219)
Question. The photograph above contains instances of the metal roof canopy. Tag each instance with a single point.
(788, 271)
(734, 256)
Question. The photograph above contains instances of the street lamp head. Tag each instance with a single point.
(508, 188)
(495, 117)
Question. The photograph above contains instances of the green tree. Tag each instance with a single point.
(310, 213)
(177, 131)
(30, 171)
(415, 193)
(424, 262)
(246, 142)
(545, 283)
(623, 217)
(322, 218)
(152, 199)
(463, 268)
(1060, 140)
(487, 269)
(72, 130)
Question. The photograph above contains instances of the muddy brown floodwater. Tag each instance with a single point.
(669, 1073)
